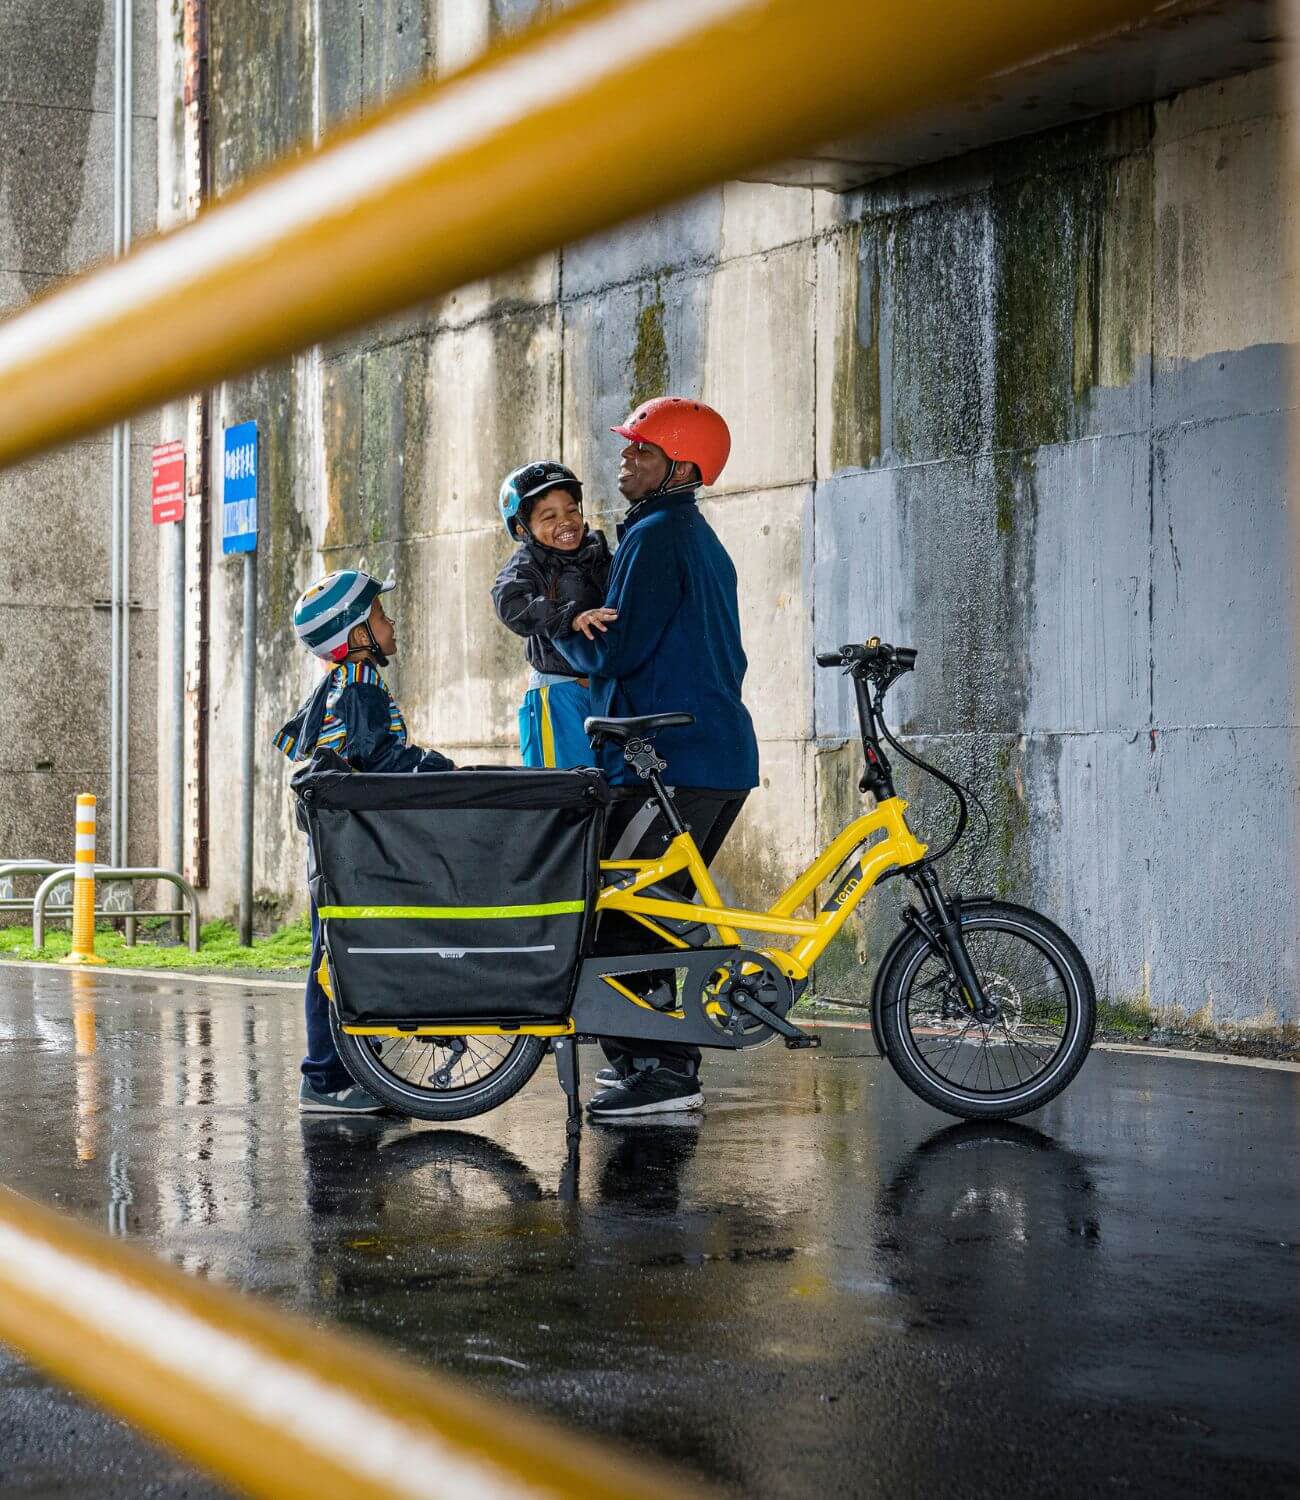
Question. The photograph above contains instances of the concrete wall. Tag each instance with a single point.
(1056, 411)
(1026, 411)
(56, 216)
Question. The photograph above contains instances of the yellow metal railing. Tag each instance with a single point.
(265, 1401)
(608, 111)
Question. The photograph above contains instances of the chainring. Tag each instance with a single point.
(756, 975)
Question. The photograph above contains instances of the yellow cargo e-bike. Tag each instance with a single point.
(459, 912)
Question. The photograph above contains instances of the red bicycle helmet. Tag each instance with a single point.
(687, 431)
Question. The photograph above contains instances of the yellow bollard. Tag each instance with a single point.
(83, 887)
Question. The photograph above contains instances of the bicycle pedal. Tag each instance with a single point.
(794, 1043)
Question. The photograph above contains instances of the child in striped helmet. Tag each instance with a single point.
(341, 620)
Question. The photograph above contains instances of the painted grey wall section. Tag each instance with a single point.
(1025, 410)
(56, 216)
(1070, 492)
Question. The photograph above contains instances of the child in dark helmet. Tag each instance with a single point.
(551, 588)
(340, 620)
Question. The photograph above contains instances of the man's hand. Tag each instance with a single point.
(594, 619)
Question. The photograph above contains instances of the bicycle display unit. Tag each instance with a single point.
(984, 1008)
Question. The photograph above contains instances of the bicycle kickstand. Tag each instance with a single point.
(566, 1066)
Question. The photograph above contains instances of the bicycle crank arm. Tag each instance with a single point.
(794, 1038)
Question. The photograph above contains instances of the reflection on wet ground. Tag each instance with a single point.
(822, 1287)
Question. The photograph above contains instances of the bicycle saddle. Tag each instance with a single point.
(632, 729)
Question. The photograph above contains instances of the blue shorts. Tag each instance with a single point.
(550, 726)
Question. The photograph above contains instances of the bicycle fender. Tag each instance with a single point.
(913, 921)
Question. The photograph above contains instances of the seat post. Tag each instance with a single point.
(641, 756)
(671, 816)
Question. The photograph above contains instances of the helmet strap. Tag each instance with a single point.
(372, 645)
(666, 483)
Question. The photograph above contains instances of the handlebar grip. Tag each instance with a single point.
(906, 656)
(829, 659)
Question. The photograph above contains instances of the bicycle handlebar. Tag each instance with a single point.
(874, 653)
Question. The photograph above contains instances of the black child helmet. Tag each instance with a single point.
(528, 483)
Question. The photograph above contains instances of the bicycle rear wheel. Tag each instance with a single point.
(1014, 1063)
(439, 1078)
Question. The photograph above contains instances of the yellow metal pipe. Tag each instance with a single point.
(607, 111)
(272, 1405)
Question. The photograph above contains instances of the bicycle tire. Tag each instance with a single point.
(477, 1098)
(900, 1044)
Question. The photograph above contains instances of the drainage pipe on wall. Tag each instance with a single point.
(115, 475)
(178, 696)
(120, 500)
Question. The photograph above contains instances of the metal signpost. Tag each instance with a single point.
(168, 498)
(239, 534)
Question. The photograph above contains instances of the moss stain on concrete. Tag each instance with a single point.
(343, 430)
(648, 372)
(1072, 271)
(288, 536)
(855, 399)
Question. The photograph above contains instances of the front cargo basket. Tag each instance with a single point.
(453, 895)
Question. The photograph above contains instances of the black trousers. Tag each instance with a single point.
(636, 830)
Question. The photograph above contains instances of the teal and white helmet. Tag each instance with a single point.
(330, 608)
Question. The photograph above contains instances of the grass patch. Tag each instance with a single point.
(219, 947)
(1124, 1017)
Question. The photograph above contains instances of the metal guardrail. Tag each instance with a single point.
(34, 869)
(600, 114)
(269, 1402)
(64, 874)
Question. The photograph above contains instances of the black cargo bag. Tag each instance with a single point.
(453, 895)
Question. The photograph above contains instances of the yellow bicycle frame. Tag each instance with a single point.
(898, 847)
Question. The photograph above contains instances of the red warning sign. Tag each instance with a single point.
(168, 483)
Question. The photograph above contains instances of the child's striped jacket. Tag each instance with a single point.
(353, 713)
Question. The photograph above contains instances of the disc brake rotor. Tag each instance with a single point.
(1006, 997)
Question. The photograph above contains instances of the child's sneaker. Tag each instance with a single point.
(352, 1100)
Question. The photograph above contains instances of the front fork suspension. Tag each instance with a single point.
(941, 922)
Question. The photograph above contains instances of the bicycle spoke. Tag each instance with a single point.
(417, 1061)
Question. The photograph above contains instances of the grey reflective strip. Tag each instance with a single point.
(457, 952)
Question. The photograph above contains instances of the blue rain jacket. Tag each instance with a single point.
(675, 646)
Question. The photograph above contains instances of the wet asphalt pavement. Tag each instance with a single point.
(823, 1288)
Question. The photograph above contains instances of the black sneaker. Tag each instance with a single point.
(607, 1077)
(648, 1091)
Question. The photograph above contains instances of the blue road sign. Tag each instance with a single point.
(239, 490)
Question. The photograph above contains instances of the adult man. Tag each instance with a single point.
(667, 638)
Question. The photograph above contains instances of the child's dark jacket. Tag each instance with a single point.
(540, 590)
(353, 713)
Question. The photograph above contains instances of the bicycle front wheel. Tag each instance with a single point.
(1046, 1013)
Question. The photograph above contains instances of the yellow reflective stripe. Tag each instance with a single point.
(454, 913)
(548, 733)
